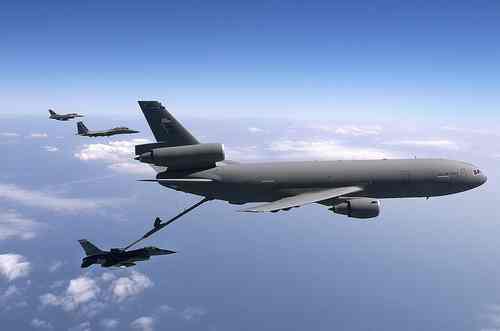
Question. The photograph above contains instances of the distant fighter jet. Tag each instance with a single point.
(117, 257)
(83, 131)
(62, 117)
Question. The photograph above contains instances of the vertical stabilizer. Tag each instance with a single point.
(82, 129)
(165, 127)
(89, 248)
(51, 112)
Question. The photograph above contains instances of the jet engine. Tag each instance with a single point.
(358, 208)
(184, 157)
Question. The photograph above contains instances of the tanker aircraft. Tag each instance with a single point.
(352, 188)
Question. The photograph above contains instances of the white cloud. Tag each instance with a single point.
(192, 313)
(437, 143)
(41, 324)
(145, 323)
(358, 131)
(242, 153)
(108, 276)
(109, 323)
(9, 134)
(324, 150)
(54, 266)
(132, 168)
(491, 316)
(166, 309)
(10, 293)
(90, 296)
(348, 130)
(117, 154)
(482, 132)
(13, 266)
(125, 287)
(13, 225)
(85, 326)
(49, 201)
(39, 135)
(255, 129)
(50, 148)
(80, 290)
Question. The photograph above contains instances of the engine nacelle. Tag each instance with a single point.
(358, 208)
(184, 157)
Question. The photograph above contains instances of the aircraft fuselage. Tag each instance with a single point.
(395, 178)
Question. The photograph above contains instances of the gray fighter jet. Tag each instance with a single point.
(62, 117)
(83, 131)
(117, 257)
(351, 188)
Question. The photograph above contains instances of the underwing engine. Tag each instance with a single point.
(358, 208)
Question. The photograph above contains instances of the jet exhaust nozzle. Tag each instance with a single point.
(145, 157)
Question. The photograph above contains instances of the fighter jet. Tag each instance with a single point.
(83, 131)
(62, 117)
(117, 257)
(352, 188)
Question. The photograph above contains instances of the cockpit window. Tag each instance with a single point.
(476, 172)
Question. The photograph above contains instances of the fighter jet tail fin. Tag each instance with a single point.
(51, 112)
(89, 248)
(165, 127)
(82, 129)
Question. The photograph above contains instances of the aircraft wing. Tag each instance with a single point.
(303, 199)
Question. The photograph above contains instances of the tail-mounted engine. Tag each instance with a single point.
(199, 156)
(358, 208)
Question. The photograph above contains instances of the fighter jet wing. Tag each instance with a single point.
(303, 199)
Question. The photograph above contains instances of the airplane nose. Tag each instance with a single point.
(484, 179)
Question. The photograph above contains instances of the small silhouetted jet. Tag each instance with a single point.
(83, 131)
(62, 117)
(117, 257)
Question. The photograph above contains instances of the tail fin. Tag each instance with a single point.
(51, 112)
(89, 248)
(82, 129)
(164, 126)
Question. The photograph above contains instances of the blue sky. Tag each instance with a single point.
(272, 81)
(272, 58)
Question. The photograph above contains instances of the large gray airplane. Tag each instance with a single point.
(62, 117)
(351, 188)
(83, 131)
(117, 257)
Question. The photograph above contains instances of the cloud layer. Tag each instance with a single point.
(13, 266)
(90, 295)
(118, 155)
(45, 200)
(325, 150)
(13, 225)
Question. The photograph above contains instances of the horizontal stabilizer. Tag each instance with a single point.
(303, 199)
